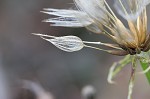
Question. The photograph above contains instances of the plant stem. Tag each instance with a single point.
(132, 78)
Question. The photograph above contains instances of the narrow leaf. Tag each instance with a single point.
(144, 66)
(117, 67)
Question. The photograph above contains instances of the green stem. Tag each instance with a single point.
(132, 78)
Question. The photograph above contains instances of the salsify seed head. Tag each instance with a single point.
(98, 17)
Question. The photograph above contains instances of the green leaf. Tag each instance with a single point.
(144, 66)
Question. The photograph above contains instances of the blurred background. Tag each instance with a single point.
(48, 70)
